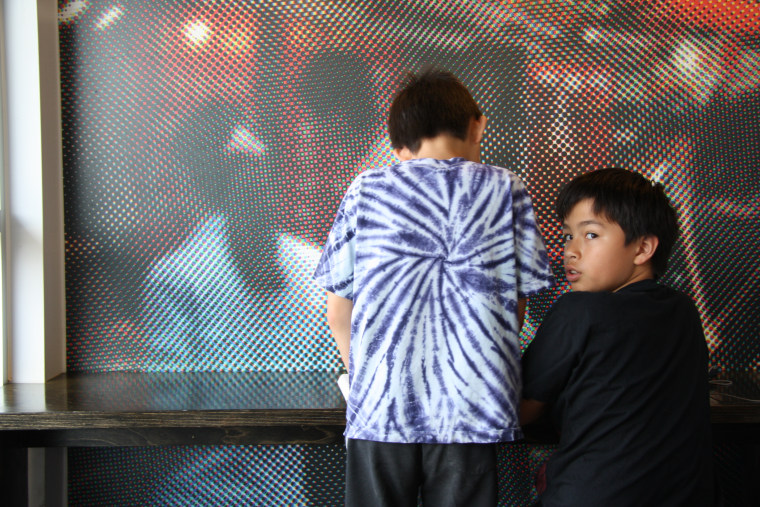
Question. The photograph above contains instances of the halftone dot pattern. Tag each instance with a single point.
(518, 464)
(208, 476)
(296, 475)
(207, 145)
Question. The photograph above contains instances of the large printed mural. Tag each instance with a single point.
(207, 144)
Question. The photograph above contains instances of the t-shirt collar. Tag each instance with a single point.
(642, 285)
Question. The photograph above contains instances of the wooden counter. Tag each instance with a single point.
(155, 409)
(239, 408)
(136, 409)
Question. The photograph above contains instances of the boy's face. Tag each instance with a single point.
(596, 257)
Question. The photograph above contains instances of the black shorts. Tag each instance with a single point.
(396, 475)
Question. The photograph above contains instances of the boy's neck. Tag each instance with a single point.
(445, 146)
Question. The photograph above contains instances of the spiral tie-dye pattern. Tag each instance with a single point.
(434, 255)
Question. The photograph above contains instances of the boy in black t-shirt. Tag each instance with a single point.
(621, 361)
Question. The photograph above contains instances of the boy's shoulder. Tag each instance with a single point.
(647, 293)
(417, 165)
(416, 173)
(587, 302)
(582, 299)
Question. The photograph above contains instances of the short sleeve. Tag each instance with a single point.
(554, 352)
(335, 269)
(534, 272)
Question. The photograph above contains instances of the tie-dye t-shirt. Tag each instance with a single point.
(434, 255)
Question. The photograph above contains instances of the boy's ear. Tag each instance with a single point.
(647, 247)
(403, 154)
(477, 128)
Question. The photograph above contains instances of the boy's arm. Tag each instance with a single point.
(339, 319)
(530, 410)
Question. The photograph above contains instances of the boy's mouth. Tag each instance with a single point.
(572, 275)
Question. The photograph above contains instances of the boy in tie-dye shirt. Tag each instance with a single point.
(427, 268)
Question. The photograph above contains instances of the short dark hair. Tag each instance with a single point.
(638, 205)
(430, 103)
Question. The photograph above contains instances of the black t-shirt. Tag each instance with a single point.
(625, 374)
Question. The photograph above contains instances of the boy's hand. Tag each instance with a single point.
(343, 384)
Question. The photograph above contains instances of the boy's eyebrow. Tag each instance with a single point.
(565, 225)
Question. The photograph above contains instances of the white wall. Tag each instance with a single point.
(34, 268)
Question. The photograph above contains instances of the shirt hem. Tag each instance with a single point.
(486, 437)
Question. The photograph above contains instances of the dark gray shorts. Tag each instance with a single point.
(397, 475)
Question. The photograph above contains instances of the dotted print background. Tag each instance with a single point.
(249, 475)
(207, 144)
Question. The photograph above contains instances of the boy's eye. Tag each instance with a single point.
(591, 235)
(567, 237)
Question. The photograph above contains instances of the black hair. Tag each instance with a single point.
(638, 205)
(430, 103)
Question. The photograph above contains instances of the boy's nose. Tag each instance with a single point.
(570, 252)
